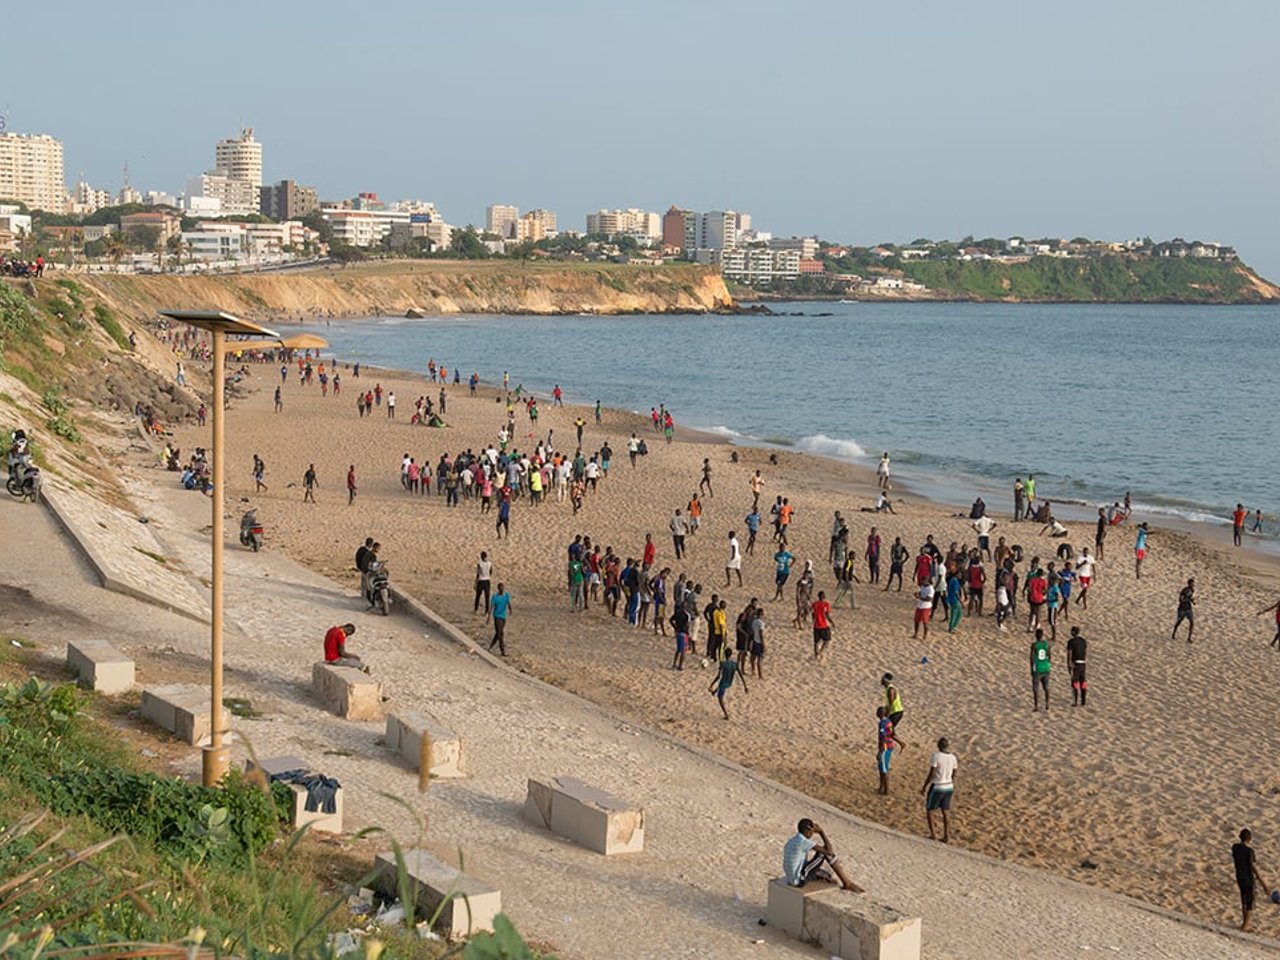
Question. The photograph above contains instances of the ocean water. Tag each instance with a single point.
(1177, 404)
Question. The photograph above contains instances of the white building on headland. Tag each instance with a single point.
(240, 158)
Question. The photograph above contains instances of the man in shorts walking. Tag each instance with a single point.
(1186, 610)
(726, 672)
(939, 786)
(1077, 653)
(924, 610)
(821, 612)
(1040, 666)
(885, 744)
(734, 563)
(1247, 877)
(1139, 550)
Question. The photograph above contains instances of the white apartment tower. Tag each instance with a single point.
(240, 159)
(31, 171)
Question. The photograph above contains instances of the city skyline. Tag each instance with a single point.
(856, 124)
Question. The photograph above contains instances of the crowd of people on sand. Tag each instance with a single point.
(948, 586)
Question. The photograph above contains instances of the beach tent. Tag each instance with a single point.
(304, 341)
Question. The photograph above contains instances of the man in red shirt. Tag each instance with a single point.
(335, 647)
(1237, 523)
(1037, 588)
(351, 484)
(650, 551)
(821, 611)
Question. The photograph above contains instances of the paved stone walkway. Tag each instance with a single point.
(713, 834)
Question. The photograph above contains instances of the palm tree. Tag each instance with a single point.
(115, 247)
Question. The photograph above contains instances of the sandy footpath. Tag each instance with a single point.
(1148, 784)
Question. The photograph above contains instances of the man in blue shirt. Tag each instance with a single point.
(783, 560)
(753, 527)
(804, 858)
(500, 609)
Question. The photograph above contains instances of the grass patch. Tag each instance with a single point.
(108, 323)
(240, 707)
(154, 556)
(124, 856)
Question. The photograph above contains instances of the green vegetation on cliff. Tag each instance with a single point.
(1104, 278)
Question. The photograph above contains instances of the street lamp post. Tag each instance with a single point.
(217, 756)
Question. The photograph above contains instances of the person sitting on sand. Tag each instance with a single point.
(805, 858)
(884, 504)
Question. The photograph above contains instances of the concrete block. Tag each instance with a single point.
(469, 904)
(405, 730)
(586, 815)
(346, 691)
(847, 925)
(183, 710)
(317, 820)
(100, 666)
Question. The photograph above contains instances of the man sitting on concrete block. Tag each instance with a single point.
(804, 858)
(335, 648)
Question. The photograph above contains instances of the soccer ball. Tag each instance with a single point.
(706, 663)
(1275, 896)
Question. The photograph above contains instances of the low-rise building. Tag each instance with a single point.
(362, 228)
(14, 226)
(754, 265)
(807, 247)
(166, 223)
(631, 222)
(236, 197)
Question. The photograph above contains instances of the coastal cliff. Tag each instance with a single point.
(425, 287)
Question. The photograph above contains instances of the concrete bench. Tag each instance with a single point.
(183, 710)
(586, 815)
(346, 691)
(100, 666)
(317, 820)
(471, 904)
(405, 731)
(851, 926)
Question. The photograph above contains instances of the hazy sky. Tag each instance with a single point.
(856, 121)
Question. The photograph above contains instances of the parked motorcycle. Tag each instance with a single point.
(251, 530)
(377, 587)
(24, 476)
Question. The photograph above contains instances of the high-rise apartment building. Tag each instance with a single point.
(500, 218)
(240, 159)
(680, 230)
(287, 200)
(718, 230)
(31, 171)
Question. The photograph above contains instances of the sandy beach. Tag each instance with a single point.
(1140, 792)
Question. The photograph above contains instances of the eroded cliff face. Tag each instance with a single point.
(428, 287)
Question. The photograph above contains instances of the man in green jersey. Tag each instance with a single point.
(1040, 671)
